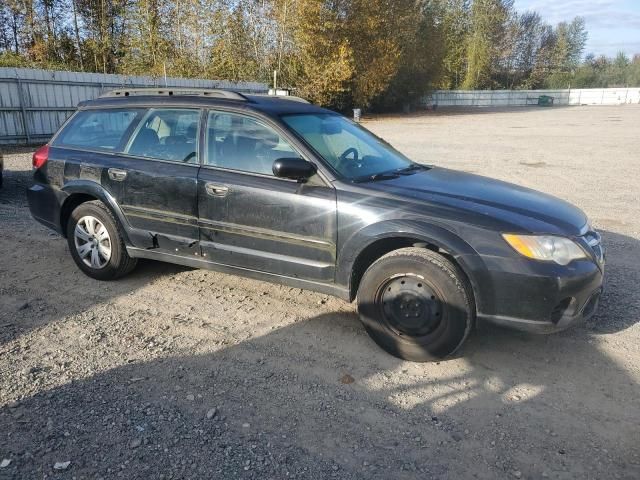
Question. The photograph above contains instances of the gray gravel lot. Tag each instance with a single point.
(178, 373)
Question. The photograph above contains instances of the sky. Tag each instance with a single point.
(613, 25)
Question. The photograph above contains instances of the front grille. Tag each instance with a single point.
(594, 240)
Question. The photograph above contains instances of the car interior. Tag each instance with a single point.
(240, 143)
(167, 135)
(101, 129)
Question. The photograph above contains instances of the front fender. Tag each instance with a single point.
(464, 255)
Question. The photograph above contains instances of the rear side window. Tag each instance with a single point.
(98, 129)
(167, 134)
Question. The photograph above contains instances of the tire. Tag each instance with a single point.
(112, 262)
(416, 305)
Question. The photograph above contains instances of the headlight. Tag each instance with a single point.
(546, 247)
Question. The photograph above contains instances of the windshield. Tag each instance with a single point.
(355, 153)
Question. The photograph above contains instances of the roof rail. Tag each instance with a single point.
(293, 98)
(171, 91)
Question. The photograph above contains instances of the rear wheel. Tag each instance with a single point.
(415, 304)
(96, 244)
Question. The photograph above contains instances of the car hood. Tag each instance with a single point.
(495, 200)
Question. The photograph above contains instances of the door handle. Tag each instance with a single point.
(216, 190)
(117, 174)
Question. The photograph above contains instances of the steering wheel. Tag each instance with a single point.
(189, 157)
(349, 151)
(343, 159)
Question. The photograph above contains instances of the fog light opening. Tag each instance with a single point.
(590, 307)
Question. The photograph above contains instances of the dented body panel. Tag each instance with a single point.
(268, 224)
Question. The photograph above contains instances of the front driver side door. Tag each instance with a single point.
(251, 219)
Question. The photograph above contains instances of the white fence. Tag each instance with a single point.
(34, 103)
(518, 98)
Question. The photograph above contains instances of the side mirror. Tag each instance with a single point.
(293, 168)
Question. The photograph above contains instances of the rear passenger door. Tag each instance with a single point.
(251, 219)
(158, 171)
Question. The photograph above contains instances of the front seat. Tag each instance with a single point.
(144, 143)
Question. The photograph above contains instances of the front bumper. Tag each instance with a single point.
(543, 297)
(566, 320)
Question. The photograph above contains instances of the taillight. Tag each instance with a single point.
(40, 156)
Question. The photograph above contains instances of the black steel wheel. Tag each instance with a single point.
(415, 304)
(410, 306)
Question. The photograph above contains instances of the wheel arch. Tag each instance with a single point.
(378, 241)
(81, 191)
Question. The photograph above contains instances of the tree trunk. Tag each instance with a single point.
(77, 31)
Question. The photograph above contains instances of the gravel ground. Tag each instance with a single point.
(178, 373)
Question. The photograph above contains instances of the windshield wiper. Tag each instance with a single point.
(383, 176)
(390, 174)
(410, 169)
(378, 176)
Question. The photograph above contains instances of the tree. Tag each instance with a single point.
(11, 22)
(325, 57)
(455, 22)
(380, 32)
(421, 63)
(383, 54)
(619, 70)
(522, 44)
(565, 53)
(147, 46)
(633, 75)
(485, 46)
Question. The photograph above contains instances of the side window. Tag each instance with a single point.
(99, 129)
(241, 143)
(167, 134)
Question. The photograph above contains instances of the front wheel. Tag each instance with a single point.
(415, 304)
(96, 244)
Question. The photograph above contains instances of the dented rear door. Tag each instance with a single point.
(158, 171)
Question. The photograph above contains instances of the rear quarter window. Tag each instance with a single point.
(99, 129)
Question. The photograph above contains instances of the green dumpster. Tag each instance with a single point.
(545, 101)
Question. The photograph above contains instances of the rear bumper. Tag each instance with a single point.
(44, 206)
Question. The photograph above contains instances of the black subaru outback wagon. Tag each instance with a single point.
(278, 189)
